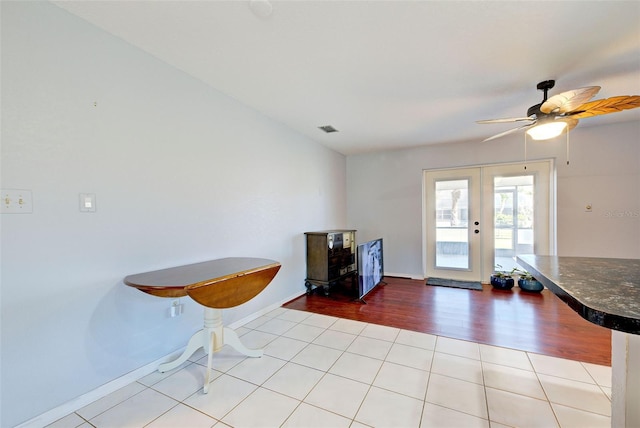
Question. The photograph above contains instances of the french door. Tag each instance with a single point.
(478, 218)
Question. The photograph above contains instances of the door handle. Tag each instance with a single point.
(476, 223)
(476, 231)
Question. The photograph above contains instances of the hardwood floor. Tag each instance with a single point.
(534, 322)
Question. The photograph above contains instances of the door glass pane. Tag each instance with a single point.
(513, 218)
(452, 223)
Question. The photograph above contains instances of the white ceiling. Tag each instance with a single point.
(388, 74)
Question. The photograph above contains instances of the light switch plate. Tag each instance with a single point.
(87, 202)
(16, 201)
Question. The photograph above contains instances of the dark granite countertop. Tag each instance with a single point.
(603, 291)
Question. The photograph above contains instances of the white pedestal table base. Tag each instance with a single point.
(211, 338)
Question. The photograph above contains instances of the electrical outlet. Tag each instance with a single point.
(176, 309)
(16, 201)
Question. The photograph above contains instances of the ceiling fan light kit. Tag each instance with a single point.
(546, 131)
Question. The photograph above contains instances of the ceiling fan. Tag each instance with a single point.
(561, 112)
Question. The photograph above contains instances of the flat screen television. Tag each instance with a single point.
(370, 266)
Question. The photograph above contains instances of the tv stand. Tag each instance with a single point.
(327, 285)
(331, 258)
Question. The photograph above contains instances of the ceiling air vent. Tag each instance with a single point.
(328, 129)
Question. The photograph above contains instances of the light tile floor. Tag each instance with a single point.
(321, 371)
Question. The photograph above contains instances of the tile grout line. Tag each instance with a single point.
(344, 351)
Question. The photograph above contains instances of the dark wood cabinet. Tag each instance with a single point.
(331, 257)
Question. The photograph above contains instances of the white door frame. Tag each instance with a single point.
(544, 244)
(474, 179)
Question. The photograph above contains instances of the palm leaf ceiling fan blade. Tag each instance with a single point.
(565, 102)
(606, 106)
(510, 131)
(571, 123)
(507, 120)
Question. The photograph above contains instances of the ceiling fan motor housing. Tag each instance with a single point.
(534, 110)
(542, 86)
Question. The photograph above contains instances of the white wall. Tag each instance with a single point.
(181, 174)
(384, 191)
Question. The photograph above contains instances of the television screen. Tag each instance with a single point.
(370, 266)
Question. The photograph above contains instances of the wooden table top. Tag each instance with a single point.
(220, 283)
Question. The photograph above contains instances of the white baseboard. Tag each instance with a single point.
(404, 275)
(112, 386)
(94, 395)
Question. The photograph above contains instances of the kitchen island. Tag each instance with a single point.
(605, 292)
